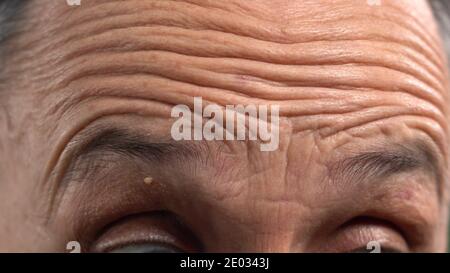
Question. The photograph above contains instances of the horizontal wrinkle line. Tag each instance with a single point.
(233, 91)
(404, 44)
(352, 87)
(332, 134)
(355, 64)
(417, 33)
(159, 76)
(435, 71)
(310, 43)
(83, 21)
(230, 92)
(266, 19)
(240, 94)
(68, 103)
(240, 91)
(262, 100)
(440, 144)
(333, 113)
(414, 29)
(323, 115)
(85, 97)
(82, 53)
(419, 23)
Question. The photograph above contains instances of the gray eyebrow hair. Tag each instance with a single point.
(389, 160)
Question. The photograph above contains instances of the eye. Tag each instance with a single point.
(158, 232)
(367, 235)
(146, 248)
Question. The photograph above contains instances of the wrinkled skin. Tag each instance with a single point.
(349, 78)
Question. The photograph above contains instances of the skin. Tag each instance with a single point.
(350, 79)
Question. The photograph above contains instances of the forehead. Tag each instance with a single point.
(333, 66)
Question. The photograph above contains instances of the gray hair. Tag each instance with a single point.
(441, 9)
(9, 17)
(9, 10)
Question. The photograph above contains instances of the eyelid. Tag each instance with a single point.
(356, 233)
(155, 247)
(131, 239)
(159, 228)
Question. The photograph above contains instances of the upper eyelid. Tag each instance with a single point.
(160, 227)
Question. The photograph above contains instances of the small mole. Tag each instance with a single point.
(148, 180)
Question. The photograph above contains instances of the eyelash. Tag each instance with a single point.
(121, 248)
(159, 228)
(394, 241)
(176, 240)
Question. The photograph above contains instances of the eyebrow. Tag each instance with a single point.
(92, 145)
(134, 144)
(389, 160)
(376, 163)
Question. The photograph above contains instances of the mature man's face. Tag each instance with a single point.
(86, 152)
